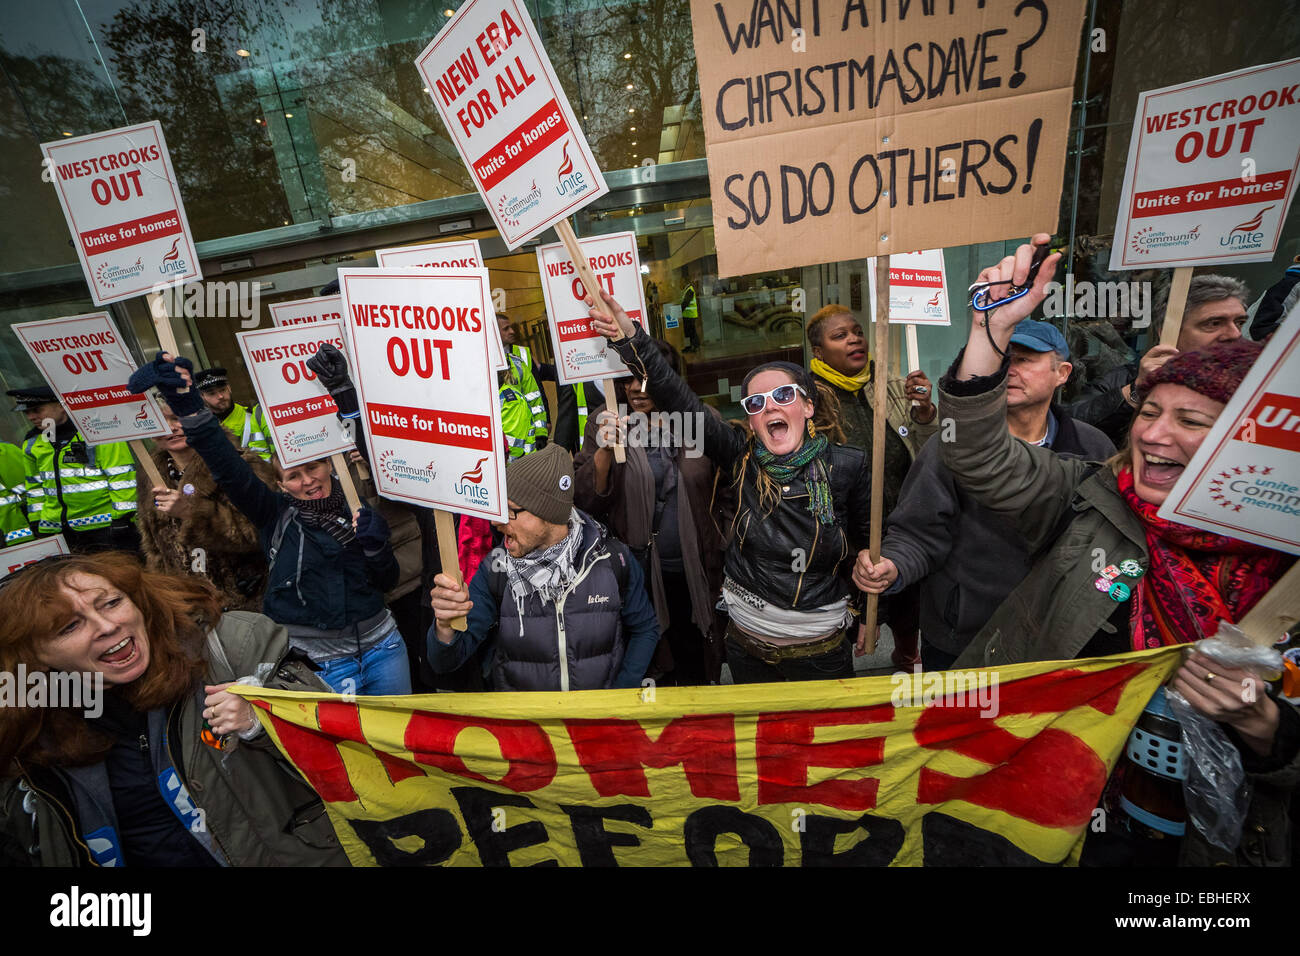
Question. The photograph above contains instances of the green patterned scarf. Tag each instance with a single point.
(783, 468)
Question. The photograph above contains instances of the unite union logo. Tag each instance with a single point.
(172, 262)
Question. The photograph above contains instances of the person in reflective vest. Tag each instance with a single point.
(690, 317)
(523, 413)
(249, 425)
(13, 496)
(85, 493)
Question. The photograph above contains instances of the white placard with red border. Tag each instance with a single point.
(1211, 172)
(420, 342)
(1244, 480)
(581, 353)
(918, 288)
(457, 254)
(83, 359)
(493, 85)
(445, 256)
(20, 555)
(303, 418)
(321, 308)
(120, 195)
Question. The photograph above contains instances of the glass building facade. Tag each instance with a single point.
(304, 140)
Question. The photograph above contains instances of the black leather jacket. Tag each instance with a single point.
(786, 557)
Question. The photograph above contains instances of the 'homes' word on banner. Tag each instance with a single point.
(918, 288)
(494, 87)
(321, 308)
(84, 360)
(445, 256)
(1211, 170)
(421, 345)
(581, 353)
(841, 129)
(1244, 480)
(303, 418)
(955, 768)
(20, 555)
(123, 205)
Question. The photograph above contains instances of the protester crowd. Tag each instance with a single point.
(607, 574)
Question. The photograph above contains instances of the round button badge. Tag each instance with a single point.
(1119, 592)
(1131, 568)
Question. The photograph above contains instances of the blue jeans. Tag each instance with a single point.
(383, 669)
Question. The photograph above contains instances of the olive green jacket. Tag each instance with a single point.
(259, 811)
(1073, 519)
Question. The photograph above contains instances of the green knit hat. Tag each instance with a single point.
(542, 482)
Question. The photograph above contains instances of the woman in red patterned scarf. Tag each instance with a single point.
(1111, 574)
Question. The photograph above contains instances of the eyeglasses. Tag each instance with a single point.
(781, 395)
(513, 513)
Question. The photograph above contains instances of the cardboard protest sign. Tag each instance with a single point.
(503, 107)
(1244, 480)
(581, 353)
(123, 204)
(20, 555)
(845, 130)
(459, 254)
(321, 308)
(918, 289)
(83, 358)
(946, 767)
(303, 418)
(445, 256)
(420, 342)
(1211, 170)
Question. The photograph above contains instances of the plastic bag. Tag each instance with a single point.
(1216, 791)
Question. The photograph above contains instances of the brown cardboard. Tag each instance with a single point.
(954, 120)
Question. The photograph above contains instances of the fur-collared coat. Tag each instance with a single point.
(232, 551)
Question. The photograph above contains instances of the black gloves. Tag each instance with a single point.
(167, 378)
(372, 530)
(331, 368)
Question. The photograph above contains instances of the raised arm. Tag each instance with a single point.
(722, 444)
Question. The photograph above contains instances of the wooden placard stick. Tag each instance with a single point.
(445, 529)
(913, 355)
(1173, 322)
(1277, 610)
(570, 240)
(340, 463)
(880, 382)
(146, 463)
(163, 326)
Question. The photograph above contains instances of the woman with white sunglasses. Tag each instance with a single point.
(801, 519)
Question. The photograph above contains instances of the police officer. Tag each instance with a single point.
(14, 528)
(249, 426)
(85, 493)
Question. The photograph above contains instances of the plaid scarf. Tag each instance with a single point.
(784, 468)
(329, 513)
(547, 572)
(1196, 578)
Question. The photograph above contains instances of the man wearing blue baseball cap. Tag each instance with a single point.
(967, 558)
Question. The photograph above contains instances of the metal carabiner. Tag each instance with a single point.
(979, 291)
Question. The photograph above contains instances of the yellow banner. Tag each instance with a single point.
(950, 767)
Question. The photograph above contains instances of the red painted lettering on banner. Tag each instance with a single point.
(786, 751)
(1052, 778)
(525, 747)
(316, 755)
(615, 752)
(343, 720)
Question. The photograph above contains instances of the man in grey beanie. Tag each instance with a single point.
(562, 605)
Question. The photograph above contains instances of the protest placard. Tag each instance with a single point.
(120, 196)
(844, 130)
(918, 289)
(321, 308)
(457, 254)
(420, 345)
(1211, 170)
(303, 418)
(445, 256)
(20, 555)
(83, 358)
(503, 107)
(1244, 480)
(581, 353)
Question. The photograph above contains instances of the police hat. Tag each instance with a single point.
(33, 397)
(213, 377)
